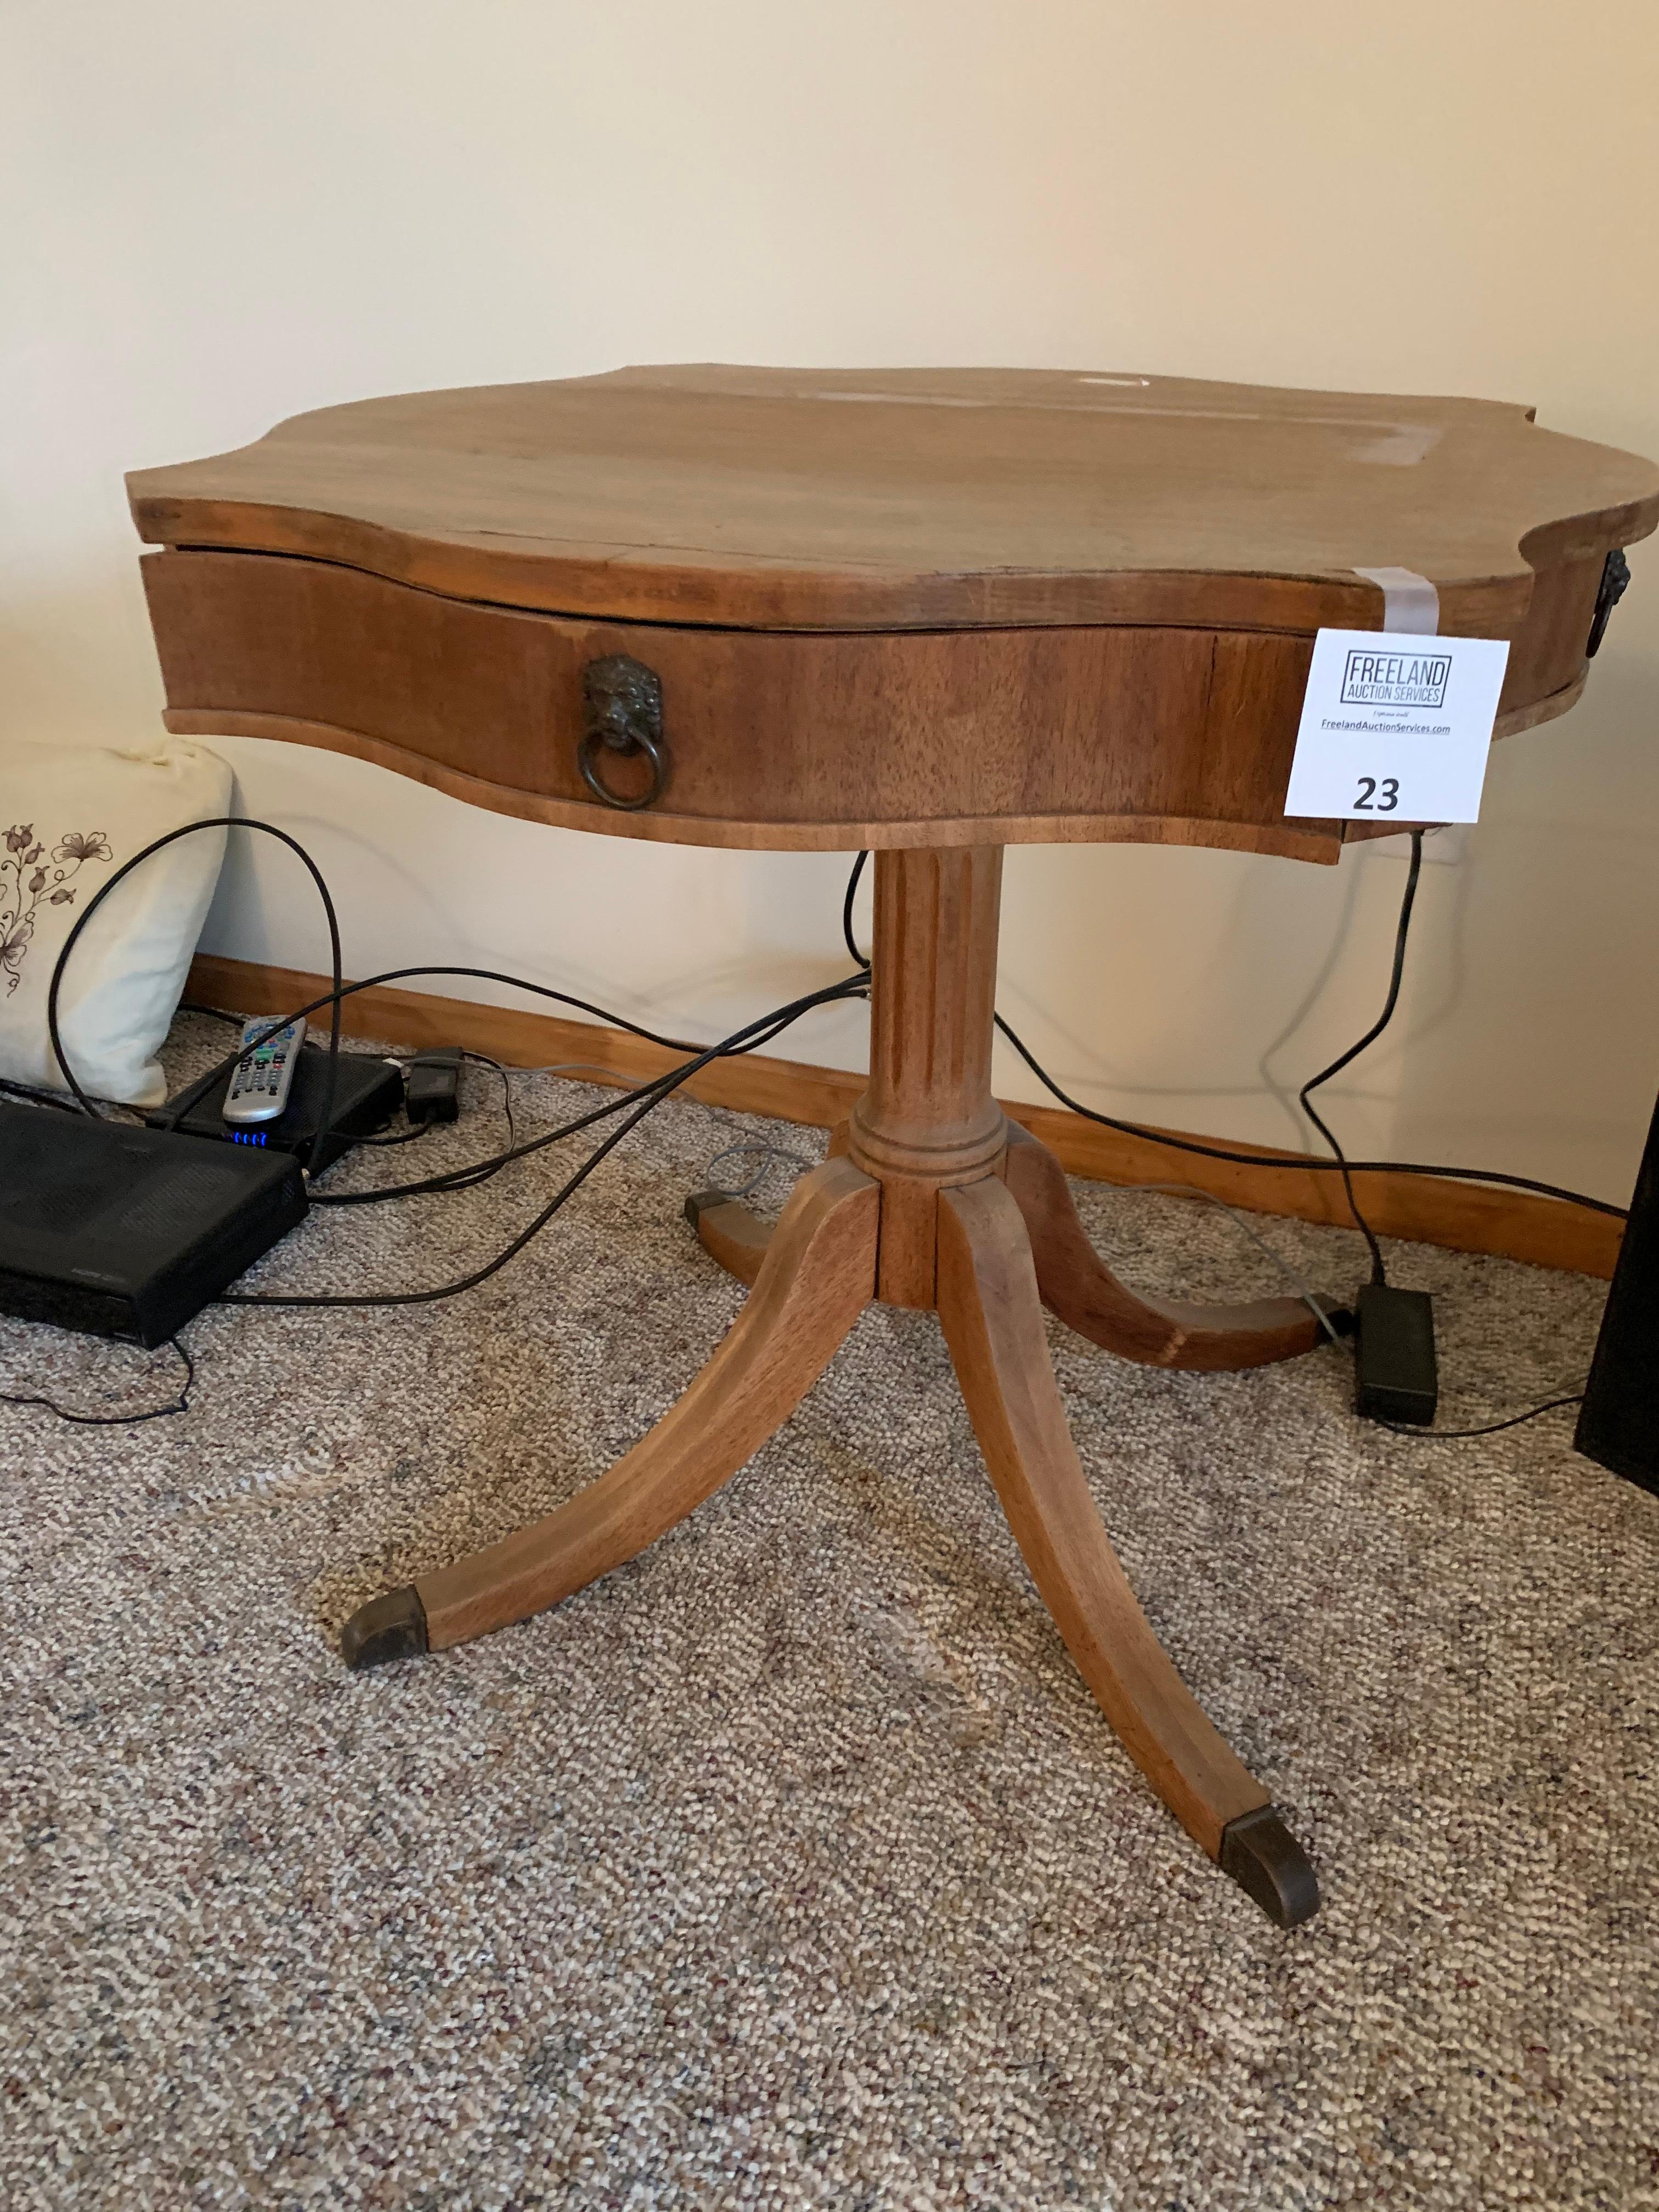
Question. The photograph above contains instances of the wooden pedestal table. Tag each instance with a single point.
(930, 613)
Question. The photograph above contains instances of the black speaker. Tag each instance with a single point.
(1618, 1422)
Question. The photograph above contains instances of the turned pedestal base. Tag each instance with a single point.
(930, 1198)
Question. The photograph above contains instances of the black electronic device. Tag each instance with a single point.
(1396, 1375)
(367, 1093)
(432, 1092)
(125, 1232)
(1619, 1421)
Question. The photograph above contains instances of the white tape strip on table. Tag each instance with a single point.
(1400, 729)
(1410, 602)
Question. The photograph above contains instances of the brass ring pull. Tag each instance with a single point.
(621, 703)
(586, 760)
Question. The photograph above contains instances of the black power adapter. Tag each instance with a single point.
(433, 1091)
(1395, 1375)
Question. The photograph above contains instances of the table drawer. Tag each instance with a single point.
(770, 738)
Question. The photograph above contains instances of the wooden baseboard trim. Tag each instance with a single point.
(1463, 1217)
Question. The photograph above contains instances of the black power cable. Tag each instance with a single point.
(177, 1107)
(646, 1096)
(1249, 1159)
(1302, 1165)
(181, 1404)
(157, 845)
(846, 911)
(1339, 1163)
(645, 1101)
(1304, 1096)
(193, 1093)
(756, 1034)
(32, 1095)
(390, 1143)
(1488, 1429)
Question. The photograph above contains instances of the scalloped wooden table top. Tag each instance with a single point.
(893, 499)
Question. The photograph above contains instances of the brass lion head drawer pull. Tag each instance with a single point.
(621, 710)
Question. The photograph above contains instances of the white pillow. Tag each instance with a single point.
(69, 815)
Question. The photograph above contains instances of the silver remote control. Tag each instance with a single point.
(259, 1087)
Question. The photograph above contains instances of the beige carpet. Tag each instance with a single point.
(793, 1865)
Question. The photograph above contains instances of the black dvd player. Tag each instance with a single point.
(367, 1093)
(126, 1231)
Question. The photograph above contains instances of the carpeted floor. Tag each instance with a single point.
(793, 1865)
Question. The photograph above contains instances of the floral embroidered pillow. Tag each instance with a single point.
(69, 815)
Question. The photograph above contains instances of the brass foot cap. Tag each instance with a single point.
(386, 1628)
(1262, 1857)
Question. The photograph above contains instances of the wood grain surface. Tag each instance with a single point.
(1181, 735)
(927, 1117)
(883, 499)
(947, 607)
(735, 1236)
(1078, 1287)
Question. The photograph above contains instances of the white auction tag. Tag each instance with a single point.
(1396, 724)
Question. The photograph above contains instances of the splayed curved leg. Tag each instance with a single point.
(817, 1276)
(731, 1233)
(1080, 1289)
(988, 1304)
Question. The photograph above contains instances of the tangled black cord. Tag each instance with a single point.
(181, 1404)
(644, 1099)
(1339, 1163)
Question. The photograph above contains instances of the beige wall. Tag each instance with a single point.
(216, 215)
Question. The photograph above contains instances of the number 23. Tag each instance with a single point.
(1369, 800)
